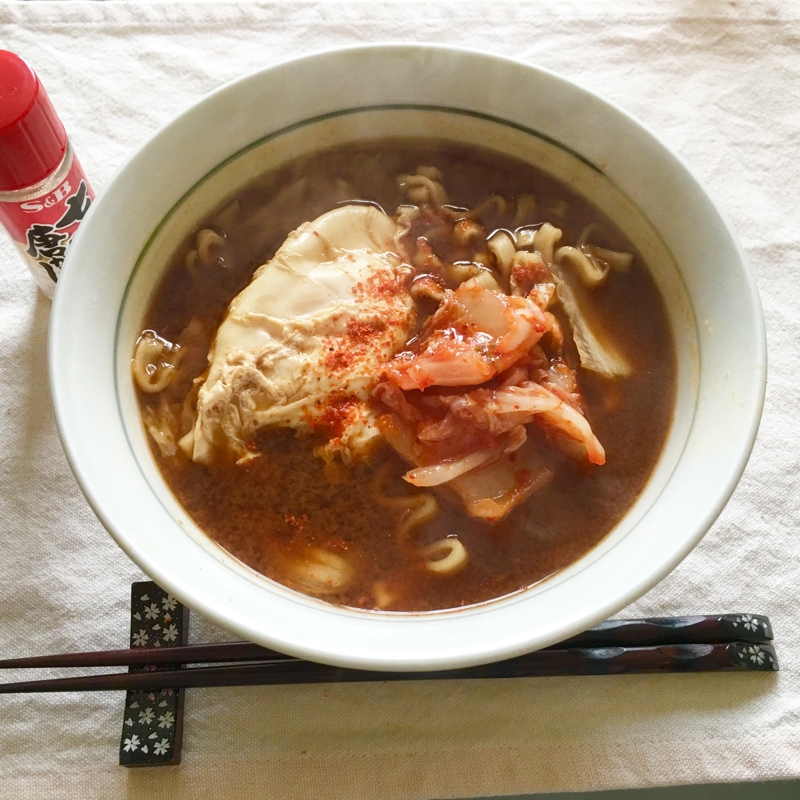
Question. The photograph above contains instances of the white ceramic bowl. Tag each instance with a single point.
(217, 145)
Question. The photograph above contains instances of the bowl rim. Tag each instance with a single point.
(472, 655)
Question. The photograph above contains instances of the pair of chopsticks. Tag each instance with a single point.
(729, 642)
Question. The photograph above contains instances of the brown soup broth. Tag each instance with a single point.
(281, 503)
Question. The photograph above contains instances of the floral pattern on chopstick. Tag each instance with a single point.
(754, 656)
(750, 623)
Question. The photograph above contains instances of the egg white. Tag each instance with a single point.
(284, 352)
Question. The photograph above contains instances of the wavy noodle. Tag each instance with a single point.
(456, 213)
(486, 278)
(586, 233)
(208, 243)
(467, 232)
(417, 508)
(601, 257)
(406, 214)
(321, 572)
(383, 595)
(421, 188)
(524, 237)
(445, 556)
(460, 272)
(617, 260)
(430, 172)
(544, 241)
(425, 509)
(591, 273)
(502, 247)
(154, 362)
(427, 288)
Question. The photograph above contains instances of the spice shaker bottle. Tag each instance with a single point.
(44, 193)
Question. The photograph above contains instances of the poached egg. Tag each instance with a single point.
(301, 346)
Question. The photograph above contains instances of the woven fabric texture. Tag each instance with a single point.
(719, 82)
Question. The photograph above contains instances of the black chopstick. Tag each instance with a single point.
(186, 654)
(709, 629)
(732, 657)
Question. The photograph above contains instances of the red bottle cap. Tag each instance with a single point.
(32, 139)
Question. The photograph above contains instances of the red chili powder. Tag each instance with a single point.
(335, 418)
(338, 358)
(298, 523)
(364, 332)
(383, 283)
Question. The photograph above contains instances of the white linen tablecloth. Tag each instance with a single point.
(718, 82)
